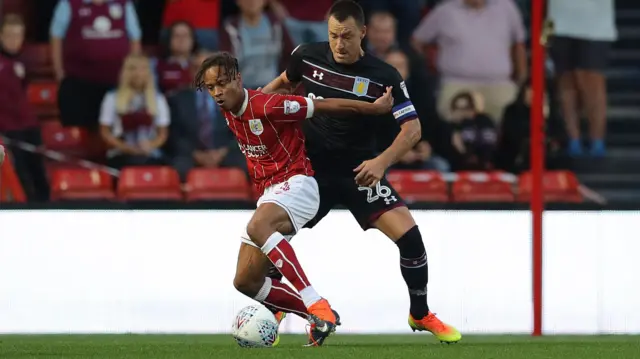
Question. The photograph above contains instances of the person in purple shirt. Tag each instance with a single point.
(17, 121)
(480, 49)
(89, 41)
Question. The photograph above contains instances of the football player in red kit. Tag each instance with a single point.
(268, 130)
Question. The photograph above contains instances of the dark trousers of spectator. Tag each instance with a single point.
(79, 102)
(29, 166)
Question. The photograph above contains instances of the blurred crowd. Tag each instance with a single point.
(124, 72)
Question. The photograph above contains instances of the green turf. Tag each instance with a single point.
(338, 347)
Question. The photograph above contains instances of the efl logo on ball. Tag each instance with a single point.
(255, 327)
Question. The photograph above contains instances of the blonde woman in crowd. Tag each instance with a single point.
(134, 119)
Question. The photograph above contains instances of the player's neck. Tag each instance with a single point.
(236, 109)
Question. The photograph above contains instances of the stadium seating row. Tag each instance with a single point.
(163, 183)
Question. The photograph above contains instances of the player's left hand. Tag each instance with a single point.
(384, 104)
(370, 172)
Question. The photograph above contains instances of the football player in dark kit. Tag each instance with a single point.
(341, 150)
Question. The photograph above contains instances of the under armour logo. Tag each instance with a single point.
(318, 75)
(390, 199)
(279, 263)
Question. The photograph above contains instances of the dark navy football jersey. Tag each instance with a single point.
(340, 143)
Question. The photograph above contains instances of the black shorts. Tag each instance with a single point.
(570, 54)
(365, 204)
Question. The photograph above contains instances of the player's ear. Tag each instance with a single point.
(363, 32)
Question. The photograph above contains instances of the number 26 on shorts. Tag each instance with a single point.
(378, 192)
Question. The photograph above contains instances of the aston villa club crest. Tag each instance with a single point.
(361, 86)
(256, 127)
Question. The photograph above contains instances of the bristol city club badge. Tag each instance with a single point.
(361, 86)
(291, 107)
(256, 127)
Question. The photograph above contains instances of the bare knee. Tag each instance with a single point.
(269, 218)
(259, 229)
(247, 285)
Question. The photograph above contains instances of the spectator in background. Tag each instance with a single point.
(173, 68)
(407, 12)
(474, 135)
(381, 35)
(480, 48)
(422, 156)
(203, 15)
(305, 20)
(199, 135)
(89, 41)
(17, 122)
(134, 119)
(259, 41)
(515, 136)
(583, 33)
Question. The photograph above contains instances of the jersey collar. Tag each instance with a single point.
(244, 104)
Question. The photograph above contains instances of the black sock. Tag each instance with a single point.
(415, 271)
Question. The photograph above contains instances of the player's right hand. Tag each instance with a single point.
(1, 155)
(384, 104)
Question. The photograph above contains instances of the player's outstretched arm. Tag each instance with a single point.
(280, 84)
(381, 106)
(289, 108)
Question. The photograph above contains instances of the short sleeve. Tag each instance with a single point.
(163, 118)
(403, 109)
(108, 110)
(428, 29)
(133, 25)
(61, 19)
(287, 108)
(294, 69)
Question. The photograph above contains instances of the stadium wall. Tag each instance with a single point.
(172, 271)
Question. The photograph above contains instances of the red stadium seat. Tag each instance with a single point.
(43, 96)
(483, 187)
(419, 186)
(205, 184)
(69, 140)
(149, 183)
(43, 93)
(558, 186)
(81, 184)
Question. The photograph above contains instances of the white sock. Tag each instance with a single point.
(309, 296)
(264, 291)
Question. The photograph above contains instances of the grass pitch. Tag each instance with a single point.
(338, 347)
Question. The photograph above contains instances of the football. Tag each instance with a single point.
(255, 327)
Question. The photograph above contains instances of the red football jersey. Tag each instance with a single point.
(269, 132)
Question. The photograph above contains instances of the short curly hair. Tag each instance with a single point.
(221, 59)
